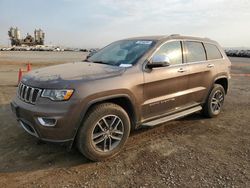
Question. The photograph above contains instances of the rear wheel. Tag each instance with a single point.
(214, 102)
(104, 131)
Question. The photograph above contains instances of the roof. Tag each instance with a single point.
(154, 37)
(173, 36)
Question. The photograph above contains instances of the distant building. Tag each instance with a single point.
(15, 37)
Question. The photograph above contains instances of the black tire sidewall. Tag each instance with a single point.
(208, 110)
(85, 134)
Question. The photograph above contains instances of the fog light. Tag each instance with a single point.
(48, 122)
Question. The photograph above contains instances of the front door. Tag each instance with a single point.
(165, 87)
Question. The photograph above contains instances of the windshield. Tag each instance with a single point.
(126, 52)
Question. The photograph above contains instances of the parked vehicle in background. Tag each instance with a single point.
(130, 83)
(238, 53)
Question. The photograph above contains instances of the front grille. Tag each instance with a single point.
(28, 94)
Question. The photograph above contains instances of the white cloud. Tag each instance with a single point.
(223, 20)
(98, 22)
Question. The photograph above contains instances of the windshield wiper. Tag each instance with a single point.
(100, 62)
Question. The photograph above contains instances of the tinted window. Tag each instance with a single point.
(173, 50)
(212, 51)
(195, 51)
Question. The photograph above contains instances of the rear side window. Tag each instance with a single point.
(195, 51)
(173, 50)
(212, 51)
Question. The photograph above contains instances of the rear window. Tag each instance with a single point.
(195, 51)
(212, 51)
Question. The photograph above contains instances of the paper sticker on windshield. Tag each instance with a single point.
(146, 42)
(125, 65)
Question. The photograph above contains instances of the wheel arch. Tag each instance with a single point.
(223, 81)
(123, 100)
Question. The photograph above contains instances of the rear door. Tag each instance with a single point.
(201, 71)
(164, 87)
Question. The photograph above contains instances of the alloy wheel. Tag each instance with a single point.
(107, 133)
(217, 102)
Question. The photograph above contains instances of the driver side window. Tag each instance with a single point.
(173, 50)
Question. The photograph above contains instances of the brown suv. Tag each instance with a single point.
(130, 83)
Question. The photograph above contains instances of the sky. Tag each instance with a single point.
(96, 23)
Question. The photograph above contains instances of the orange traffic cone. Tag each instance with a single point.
(28, 67)
(20, 75)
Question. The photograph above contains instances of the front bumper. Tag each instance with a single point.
(66, 113)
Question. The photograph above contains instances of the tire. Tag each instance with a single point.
(104, 132)
(214, 103)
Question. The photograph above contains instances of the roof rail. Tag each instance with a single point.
(173, 35)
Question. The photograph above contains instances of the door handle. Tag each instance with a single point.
(181, 70)
(210, 65)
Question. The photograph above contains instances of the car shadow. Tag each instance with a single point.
(21, 152)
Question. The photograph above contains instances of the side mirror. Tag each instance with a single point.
(159, 61)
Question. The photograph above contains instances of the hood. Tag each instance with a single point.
(71, 72)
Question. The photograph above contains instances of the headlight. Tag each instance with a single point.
(58, 95)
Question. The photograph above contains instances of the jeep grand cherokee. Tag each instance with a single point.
(135, 82)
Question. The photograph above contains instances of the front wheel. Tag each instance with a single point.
(104, 131)
(214, 102)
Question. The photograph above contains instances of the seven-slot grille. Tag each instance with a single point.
(27, 93)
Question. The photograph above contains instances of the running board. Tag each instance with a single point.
(172, 117)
